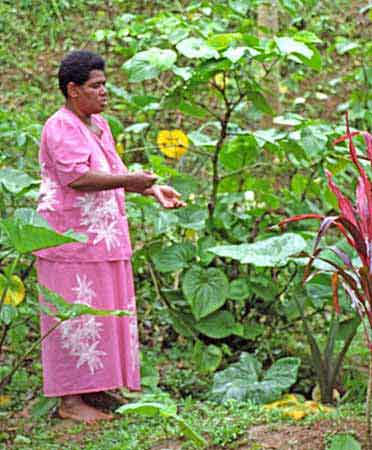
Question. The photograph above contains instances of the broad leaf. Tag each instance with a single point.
(219, 325)
(241, 381)
(288, 45)
(149, 64)
(28, 232)
(196, 48)
(16, 181)
(205, 289)
(272, 252)
(64, 310)
(174, 257)
(239, 289)
(240, 6)
(344, 442)
(207, 357)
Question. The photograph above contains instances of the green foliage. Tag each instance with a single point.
(244, 380)
(169, 412)
(344, 442)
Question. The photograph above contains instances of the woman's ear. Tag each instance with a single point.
(72, 89)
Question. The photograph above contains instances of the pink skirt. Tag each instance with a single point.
(90, 353)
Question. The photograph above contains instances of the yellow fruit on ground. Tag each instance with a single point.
(172, 143)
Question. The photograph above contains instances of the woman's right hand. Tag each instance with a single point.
(139, 181)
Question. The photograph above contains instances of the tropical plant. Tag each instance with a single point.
(355, 223)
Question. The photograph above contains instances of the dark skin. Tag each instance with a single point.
(85, 100)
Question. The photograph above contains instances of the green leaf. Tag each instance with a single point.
(314, 140)
(283, 372)
(190, 433)
(149, 409)
(219, 325)
(65, 310)
(190, 109)
(16, 181)
(207, 357)
(344, 45)
(239, 289)
(205, 290)
(182, 323)
(239, 152)
(196, 48)
(28, 232)
(116, 126)
(272, 252)
(204, 244)
(8, 313)
(240, 6)
(168, 411)
(344, 442)
(235, 54)
(174, 257)
(223, 40)
(288, 45)
(149, 64)
(260, 102)
(241, 381)
(200, 139)
(43, 406)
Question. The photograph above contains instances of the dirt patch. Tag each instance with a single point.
(301, 437)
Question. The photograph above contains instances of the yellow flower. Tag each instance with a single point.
(16, 291)
(173, 143)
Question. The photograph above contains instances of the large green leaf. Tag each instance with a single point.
(344, 442)
(207, 357)
(149, 64)
(241, 381)
(219, 325)
(240, 6)
(239, 289)
(196, 48)
(64, 310)
(174, 257)
(272, 252)
(168, 411)
(283, 372)
(205, 289)
(16, 181)
(287, 45)
(28, 232)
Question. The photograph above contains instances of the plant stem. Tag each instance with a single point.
(7, 378)
(369, 404)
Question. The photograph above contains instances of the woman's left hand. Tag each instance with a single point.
(166, 196)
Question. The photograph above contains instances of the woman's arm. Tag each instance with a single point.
(100, 181)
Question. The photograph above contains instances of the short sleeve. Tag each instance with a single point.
(68, 149)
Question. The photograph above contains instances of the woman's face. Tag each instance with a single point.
(90, 97)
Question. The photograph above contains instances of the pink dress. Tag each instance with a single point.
(88, 353)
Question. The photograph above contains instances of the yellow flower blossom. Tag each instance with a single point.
(173, 143)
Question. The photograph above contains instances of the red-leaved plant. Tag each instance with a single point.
(355, 222)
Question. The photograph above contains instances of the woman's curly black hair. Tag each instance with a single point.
(76, 67)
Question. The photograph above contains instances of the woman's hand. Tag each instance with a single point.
(166, 196)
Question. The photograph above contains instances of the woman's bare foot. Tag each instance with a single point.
(73, 407)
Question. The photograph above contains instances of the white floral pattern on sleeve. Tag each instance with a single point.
(99, 211)
(47, 193)
(81, 336)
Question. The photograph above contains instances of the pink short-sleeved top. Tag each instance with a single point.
(68, 149)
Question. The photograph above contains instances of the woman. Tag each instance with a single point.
(83, 185)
